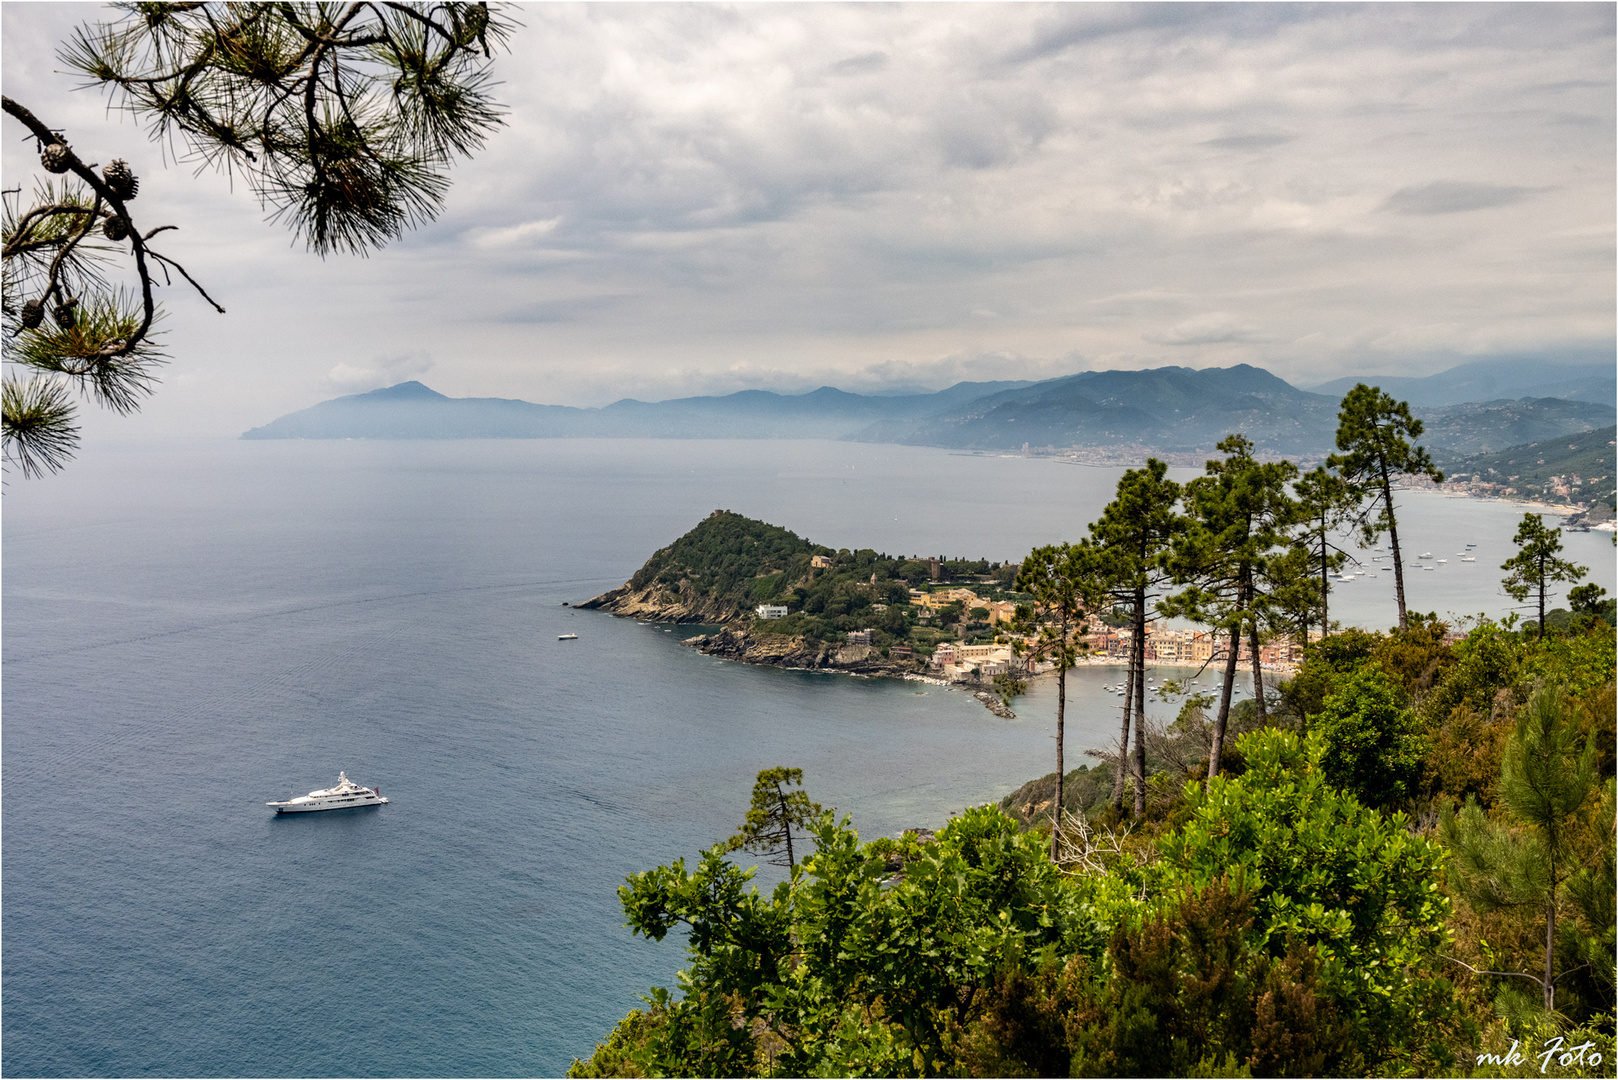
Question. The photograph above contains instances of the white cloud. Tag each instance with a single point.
(688, 197)
(1214, 328)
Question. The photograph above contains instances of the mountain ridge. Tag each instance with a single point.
(1173, 410)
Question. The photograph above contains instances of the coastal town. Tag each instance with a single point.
(979, 662)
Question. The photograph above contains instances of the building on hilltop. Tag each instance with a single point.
(771, 611)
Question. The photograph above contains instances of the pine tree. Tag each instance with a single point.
(1059, 578)
(1324, 505)
(772, 817)
(1547, 774)
(1233, 558)
(342, 119)
(1374, 433)
(1535, 566)
(1132, 539)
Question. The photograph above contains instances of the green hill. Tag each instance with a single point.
(724, 568)
(1568, 469)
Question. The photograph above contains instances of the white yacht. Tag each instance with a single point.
(344, 796)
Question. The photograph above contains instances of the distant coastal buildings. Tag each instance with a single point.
(961, 662)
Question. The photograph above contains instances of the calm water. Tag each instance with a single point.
(195, 628)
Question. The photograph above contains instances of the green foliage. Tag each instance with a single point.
(1239, 571)
(1325, 662)
(738, 941)
(1376, 439)
(775, 813)
(1590, 599)
(38, 418)
(1327, 872)
(729, 564)
(342, 119)
(1527, 861)
(1325, 504)
(1127, 552)
(1535, 567)
(1372, 745)
(1192, 992)
(846, 971)
(724, 553)
(1063, 580)
(1284, 929)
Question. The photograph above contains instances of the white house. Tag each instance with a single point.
(771, 611)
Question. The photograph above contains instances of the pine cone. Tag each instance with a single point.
(33, 313)
(55, 157)
(115, 228)
(120, 179)
(65, 315)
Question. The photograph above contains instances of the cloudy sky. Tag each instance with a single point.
(703, 198)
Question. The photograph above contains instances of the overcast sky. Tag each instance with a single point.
(700, 199)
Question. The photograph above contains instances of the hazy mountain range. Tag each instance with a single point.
(1492, 380)
(1163, 410)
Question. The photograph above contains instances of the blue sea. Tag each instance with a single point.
(195, 627)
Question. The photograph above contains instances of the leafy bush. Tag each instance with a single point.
(1372, 747)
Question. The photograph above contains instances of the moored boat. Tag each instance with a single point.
(345, 796)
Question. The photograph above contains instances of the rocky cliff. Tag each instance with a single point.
(779, 650)
(658, 603)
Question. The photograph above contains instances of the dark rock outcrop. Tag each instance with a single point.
(778, 650)
(657, 603)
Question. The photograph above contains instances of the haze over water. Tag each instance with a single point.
(198, 627)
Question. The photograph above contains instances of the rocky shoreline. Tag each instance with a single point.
(797, 654)
(735, 641)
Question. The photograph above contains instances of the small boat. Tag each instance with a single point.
(1443, 560)
(345, 796)
(1425, 555)
(1469, 559)
(567, 637)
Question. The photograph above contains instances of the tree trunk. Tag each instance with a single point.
(1393, 536)
(1550, 944)
(1224, 705)
(1118, 779)
(1258, 671)
(1541, 562)
(786, 822)
(1140, 703)
(1325, 589)
(1061, 711)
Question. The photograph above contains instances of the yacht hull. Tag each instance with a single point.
(310, 808)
